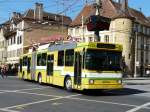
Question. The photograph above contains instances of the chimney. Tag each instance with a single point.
(38, 12)
(124, 7)
(14, 15)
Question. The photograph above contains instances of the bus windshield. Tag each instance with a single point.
(103, 60)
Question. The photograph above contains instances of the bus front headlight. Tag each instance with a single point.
(91, 81)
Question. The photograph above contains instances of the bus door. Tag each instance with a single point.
(50, 68)
(33, 66)
(77, 68)
(29, 66)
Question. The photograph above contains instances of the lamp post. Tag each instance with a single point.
(135, 62)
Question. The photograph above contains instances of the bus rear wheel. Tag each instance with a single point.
(68, 84)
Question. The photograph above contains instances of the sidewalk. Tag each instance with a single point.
(137, 81)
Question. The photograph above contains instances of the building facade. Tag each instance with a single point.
(24, 30)
(2, 47)
(128, 27)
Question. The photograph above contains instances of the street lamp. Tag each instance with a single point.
(135, 62)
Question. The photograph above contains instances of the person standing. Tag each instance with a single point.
(2, 71)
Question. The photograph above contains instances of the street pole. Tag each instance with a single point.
(135, 70)
(83, 39)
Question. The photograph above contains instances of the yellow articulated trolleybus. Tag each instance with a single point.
(80, 66)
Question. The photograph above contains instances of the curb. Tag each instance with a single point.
(136, 83)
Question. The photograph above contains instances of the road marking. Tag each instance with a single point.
(7, 110)
(36, 94)
(97, 101)
(106, 102)
(22, 89)
(139, 107)
(70, 97)
(37, 102)
(31, 89)
(5, 91)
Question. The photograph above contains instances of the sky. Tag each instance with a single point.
(67, 7)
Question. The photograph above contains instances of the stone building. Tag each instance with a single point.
(128, 27)
(24, 30)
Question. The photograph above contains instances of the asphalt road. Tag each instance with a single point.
(23, 96)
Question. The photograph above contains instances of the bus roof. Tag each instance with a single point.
(72, 45)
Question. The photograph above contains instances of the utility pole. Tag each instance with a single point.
(62, 16)
(135, 62)
(98, 7)
(83, 39)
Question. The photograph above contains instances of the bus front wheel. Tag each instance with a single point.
(68, 84)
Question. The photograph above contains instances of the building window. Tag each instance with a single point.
(106, 38)
(139, 28)
(20, 39)
(144, 29)
(14, 39)
(77, 31)
(148, 31)
(11, 40)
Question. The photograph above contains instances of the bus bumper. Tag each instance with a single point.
(102, 86)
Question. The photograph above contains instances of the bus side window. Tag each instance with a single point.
(83, 59)
(60, 58)
(50, 64)
(69, 57)
(39, 60)
(29, 64)
(43, 59)
(20, 65)
(25, 61)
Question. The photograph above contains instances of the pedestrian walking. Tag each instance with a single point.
(2, 67)
(4, 71)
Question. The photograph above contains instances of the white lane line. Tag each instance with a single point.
(5, 90)
(31, 89)
(36, 94)
(139, 107)
(24, 89)
(9, 91)
(37, 102)
(81, 99)
(106, 102)
(6, 110)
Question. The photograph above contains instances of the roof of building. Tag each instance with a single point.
(109, 9)
(55, 37)
(87, 11)
(29, 15)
